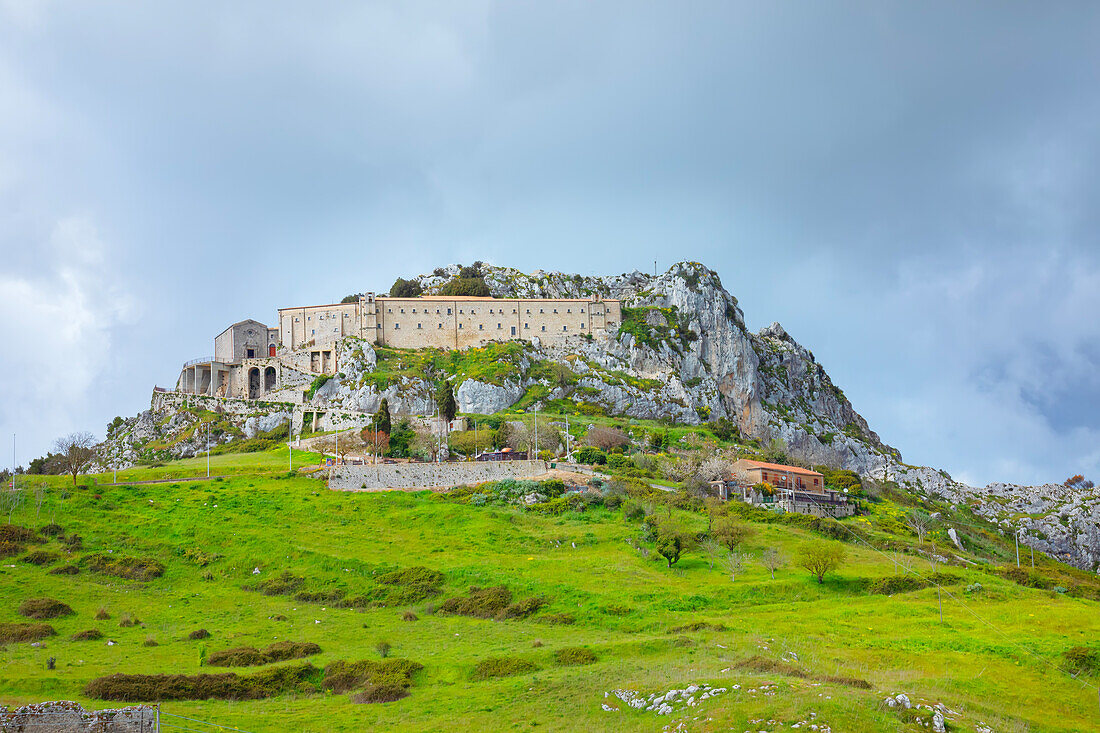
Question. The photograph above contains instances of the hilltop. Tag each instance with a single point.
(682, 355)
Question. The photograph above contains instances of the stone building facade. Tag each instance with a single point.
(253, 361)
(448, 323)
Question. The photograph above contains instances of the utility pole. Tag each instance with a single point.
(536, 432)
(13, 461)
(290, 443)
(207, 450)
(568, 440)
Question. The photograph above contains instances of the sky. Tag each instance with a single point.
(911, 189)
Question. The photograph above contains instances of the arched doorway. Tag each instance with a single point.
(270, 379)
(271, 349)
(253, 383)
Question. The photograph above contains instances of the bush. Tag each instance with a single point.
(65, 570)
(409, 616)
(40, 608)
(405, 288)
(89, 635)
(479, 603)
(224, 686)
(1082, 660)
(149, 641)
(52, 530)
(501, 667)
(17, 534)
(344, 676)
(330, 597)
(380, 693)
(557, 619)
(466, 287)
(12, 633)
(906, 583)
(102, 615)
(698, 626)
(617, 460)
(1026, 577)
(574, 656)
(246, 656)
(589, 454)
(8, 548)
(523, 609)
(198, 634)
(40, 557)
(281, 585)
(127, 621)
(633, 511)
(130, 568)
(412, 576)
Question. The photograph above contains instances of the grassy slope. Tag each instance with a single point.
(275, 523)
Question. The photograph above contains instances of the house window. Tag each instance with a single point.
(414, 310)
(396, 326)
(402, 310)
(527, 325)
(582, 310)
(295, 319)
(582, 326)
(313, 332)
(460, 326)
(544, 328)
(441, 325)
(541, 310)
(528, 311)
(459, 310)
(568, 310)
(514, 310)
(480, 327)
(555, 310)
(419, 325)
(565, 328)
(448, 311)
(389, 310)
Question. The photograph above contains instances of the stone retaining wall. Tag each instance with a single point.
(428, 475)
(70, 717)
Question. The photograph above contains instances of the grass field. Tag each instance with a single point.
(989, 661)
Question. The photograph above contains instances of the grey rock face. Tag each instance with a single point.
(483, 399)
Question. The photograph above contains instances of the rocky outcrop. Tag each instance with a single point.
(482, 398)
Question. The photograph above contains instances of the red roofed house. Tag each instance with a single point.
(795, 489)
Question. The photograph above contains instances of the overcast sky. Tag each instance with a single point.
(911, 189)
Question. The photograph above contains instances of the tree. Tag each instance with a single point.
(670, 546)
(382, 421)
(377, 441)
(773, 559)
(1078, 482)
(712, 548)
(76, 452)
(405, 288)
(561, 375)
(466, 287)
(730, 533)
(820, 558)
(920, 523)
(353, 298)
(606, 438)
(736, 562)
(775, 452)
(448, 408)
(724, 429)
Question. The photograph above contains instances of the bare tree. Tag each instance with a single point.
(376, 441)
(731, 533)
(773, 559)
(736, 562)
(75, 452)
(606, 438)
(920, 523)
(712, 549)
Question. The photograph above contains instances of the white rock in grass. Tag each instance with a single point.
(903, 700)
(937, 722)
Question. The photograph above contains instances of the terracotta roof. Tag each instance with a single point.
(780, 467)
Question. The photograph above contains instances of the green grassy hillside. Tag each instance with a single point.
(786, 650)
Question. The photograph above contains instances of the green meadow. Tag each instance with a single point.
(798, 652)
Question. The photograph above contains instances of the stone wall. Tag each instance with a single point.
(429, 475)
(70, 717)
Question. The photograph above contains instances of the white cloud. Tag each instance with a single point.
(58, 324)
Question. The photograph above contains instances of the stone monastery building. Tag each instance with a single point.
(253, 361)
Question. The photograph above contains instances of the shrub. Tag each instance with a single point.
(281, 585)
(589, 454)
(40, 557)
(906, 583)
(412, 576)
(613, 501)
(51, 530)
(40, 608)
(383, 648)
(224, 686)
(1026, 577)
(331, 597)
(1082, 660)
(11, 633)
(466, 287)
(574, 656)
(409, 616)
(501, 667)
(698, 626)
(246, 656)
(198, 634)
(633, 511)
(149, 641)
(102, 615)
(763, 664)
(380, 693)
(480, 602)
(127, 621)
(557, 619)
(89, 635)
(65, 570)
(523, 609)
(17, 534)
(130, 568)
(341, 676)
(8, 548)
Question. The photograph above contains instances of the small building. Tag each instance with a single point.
(504, 454)
(786, 488)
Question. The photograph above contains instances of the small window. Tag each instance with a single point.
(396, 326)
(402, 310)
(565, 328)
(544, 328)
(514, 310)
(448, 311)
(582, 326)
(480, 327)
(460, 326)
(568, 310)
(459, 310)
(582, 310)
(527, 325)
(528, 311)
(441, 325)
(295, 319)
(541, 310)
(555, 310)
(414, 310)
(498, 326)
(389, 310)
(419, 326)
(313, 332)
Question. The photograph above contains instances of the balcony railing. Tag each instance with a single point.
(203, 360)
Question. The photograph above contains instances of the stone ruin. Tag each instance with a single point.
(65, 716)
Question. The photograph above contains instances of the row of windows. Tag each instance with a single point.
(491, 311)
(480, 327)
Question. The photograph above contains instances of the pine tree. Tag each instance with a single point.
(448, 408)
(382, 418)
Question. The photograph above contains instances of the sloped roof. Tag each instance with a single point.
(779, 467)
